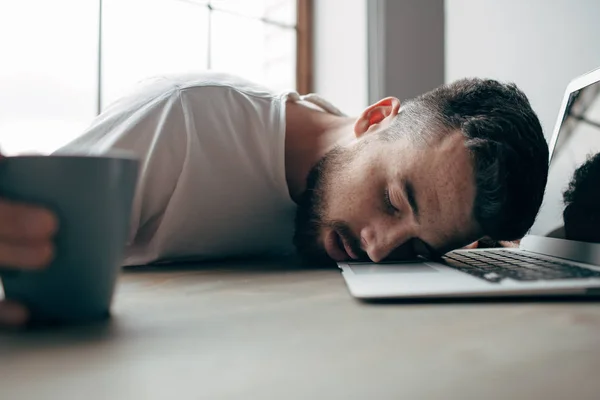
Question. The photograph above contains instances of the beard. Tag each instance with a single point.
(310, 214)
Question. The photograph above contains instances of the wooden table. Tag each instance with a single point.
(273, 330)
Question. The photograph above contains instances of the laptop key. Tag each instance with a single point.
(494, 266)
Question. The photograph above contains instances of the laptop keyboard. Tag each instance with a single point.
(496, 265)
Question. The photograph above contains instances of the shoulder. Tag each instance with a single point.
(215, 82)
(203, 89)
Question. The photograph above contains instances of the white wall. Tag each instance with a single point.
(538, 44)
(340, 59)
(413, 54)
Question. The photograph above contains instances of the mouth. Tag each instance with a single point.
(338, 248)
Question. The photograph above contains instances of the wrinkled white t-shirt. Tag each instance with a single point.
(212, 179)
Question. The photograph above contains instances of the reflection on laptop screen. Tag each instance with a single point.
(571, 207)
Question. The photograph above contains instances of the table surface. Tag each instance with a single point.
(270, 329)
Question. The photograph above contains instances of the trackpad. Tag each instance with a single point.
(364, 268)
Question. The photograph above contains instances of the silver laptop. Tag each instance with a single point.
(553, 259)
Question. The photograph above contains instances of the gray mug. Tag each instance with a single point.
(92, 197)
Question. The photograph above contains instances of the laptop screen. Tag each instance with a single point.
(571, 206)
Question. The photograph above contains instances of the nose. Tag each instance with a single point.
(382, 240)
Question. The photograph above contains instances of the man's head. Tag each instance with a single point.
(463, 161)
(582, 203)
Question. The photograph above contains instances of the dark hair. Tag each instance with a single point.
(582, 202)
(506, 142)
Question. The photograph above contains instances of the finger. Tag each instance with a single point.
(26, 256)
(12, 314)
(473, 245)
(509, 244)
(20, 222)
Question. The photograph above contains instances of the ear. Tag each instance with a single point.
(377, 114)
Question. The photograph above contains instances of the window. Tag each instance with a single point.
(48, 72)
(65, 60)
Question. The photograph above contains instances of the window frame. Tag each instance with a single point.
(304, 49)
(304, 46)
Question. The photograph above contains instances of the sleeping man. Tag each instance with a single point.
(230, 168)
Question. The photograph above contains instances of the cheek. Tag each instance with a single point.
(337, 200)
(351, 196)
(352, 184)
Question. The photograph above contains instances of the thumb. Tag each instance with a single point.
(473, 245)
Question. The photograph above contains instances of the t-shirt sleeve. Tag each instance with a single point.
(154, 130)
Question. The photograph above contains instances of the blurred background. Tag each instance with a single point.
(63, 61)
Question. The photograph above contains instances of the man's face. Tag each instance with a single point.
(388, 199)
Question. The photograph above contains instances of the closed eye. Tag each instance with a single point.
(388, 202)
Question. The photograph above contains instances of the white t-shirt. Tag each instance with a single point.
(212, 171)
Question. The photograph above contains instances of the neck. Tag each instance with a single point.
(310, 134)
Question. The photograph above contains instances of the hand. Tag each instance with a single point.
(26, 243)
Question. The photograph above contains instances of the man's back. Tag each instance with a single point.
(213, 176)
